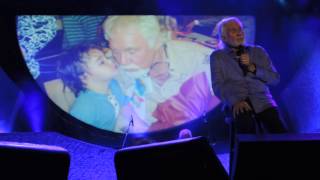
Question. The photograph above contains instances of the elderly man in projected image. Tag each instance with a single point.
(167, 81)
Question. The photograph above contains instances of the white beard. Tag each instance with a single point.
(127, 81)
(136, 74)
(127, 78)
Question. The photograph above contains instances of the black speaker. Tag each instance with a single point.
(277, 157)
(33, 161)
(183, 159)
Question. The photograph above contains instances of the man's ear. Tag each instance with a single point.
(223, 37)
(106, 37)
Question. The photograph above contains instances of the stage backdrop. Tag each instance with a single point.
(152, 73)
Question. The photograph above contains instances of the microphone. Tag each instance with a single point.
(239, 52)
(131, 121)
(127, 132)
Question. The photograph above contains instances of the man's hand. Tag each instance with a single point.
(159, 72)
(252, 68)
(241, 106)
(245, 59)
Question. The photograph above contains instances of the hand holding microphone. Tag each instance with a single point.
(244, 61)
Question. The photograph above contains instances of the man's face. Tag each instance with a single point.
(130, 49)
(233, 35)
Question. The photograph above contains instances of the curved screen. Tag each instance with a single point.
(125, 73)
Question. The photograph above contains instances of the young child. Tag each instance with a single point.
(89, 73)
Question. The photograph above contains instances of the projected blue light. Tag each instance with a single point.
(3, 126)
(34, 110)
(10, 101)
(282, 2)
(173, 6)
(302, 96)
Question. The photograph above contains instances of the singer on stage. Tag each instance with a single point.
(241, 75)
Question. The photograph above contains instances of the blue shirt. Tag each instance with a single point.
(231, 85)
(95, 109)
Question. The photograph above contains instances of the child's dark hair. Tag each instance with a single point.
(70, 67)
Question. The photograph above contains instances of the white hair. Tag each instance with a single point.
(220, 27)
(148, 26)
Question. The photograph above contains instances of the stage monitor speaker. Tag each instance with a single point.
(277, 157)
(191, 158)
(33, 161)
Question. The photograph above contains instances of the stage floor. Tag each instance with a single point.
(90, 161)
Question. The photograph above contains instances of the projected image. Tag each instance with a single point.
(111, 72)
